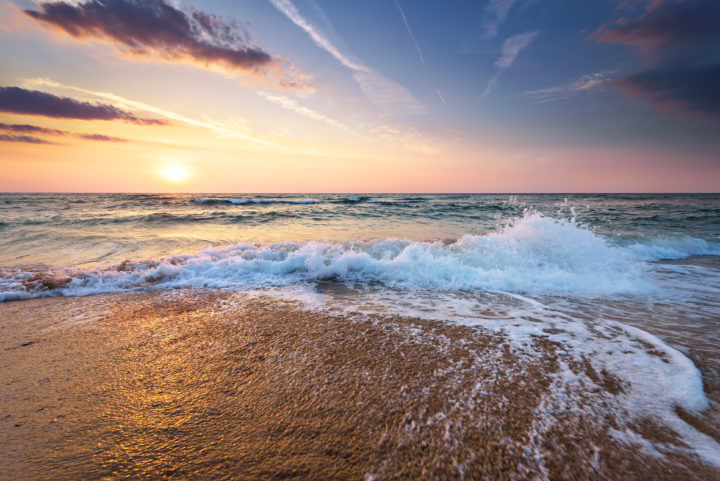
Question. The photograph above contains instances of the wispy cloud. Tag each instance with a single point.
(30, 129)
(25, 139)
(406, 138)
(101, 138)
(216, 128)
(386, 94)
(17, 100)
(416, 44)
(511, 48)
(497, 12)
(36, 130)
(441, 96)
(155, 29)
(288, 8)
(293, 105)
(410, 32)
(587, 83)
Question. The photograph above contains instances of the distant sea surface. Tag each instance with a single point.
(629, 282)
(90, 230)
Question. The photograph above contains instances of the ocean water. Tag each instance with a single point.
(523, 244)
(629, 282)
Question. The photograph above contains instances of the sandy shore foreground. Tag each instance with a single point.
(204, 385)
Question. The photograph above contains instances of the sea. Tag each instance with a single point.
(627, 282)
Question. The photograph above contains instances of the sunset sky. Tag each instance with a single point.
(360, 96)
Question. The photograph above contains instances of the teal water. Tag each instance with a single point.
(84, 230)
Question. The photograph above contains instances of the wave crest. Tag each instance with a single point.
(534, 254)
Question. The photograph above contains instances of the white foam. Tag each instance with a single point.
(528, 279)
(673, 248)
(533, 255)
(655, 378)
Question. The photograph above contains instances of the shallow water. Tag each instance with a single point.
(210, 385)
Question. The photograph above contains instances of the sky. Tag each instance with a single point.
(360, 96)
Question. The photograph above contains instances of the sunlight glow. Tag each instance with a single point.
(175, 173)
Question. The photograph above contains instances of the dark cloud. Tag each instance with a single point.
(25, 128)
(223, 32)
(34, 129)
(27, 139)
(680, 39)
(692, 91)
(671, 23)
(153, 28)
(32, 102)
(100, 137)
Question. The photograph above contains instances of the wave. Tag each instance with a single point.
(535, 254)
(673, 248)
(406, 200)
(354, 200)
(344, 200)
(222, 217)
(219, 200)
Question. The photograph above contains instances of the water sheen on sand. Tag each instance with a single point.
(209, 385)
(378, 336)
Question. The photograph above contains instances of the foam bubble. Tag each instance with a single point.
(526, 280)
(653, 378)
(535, 254)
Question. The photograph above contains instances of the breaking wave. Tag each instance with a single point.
(534, 254)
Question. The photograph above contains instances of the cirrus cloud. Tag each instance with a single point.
(120, 102)
(292, 105)
(497, 12)
(388, 95)
(586, 83)
(511, 48)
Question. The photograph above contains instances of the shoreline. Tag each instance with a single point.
(203, 385)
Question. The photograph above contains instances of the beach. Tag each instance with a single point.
(386, 336)
(194, 384)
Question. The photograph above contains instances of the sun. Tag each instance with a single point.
(175, 173)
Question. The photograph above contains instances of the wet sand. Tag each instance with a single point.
(204, 385)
